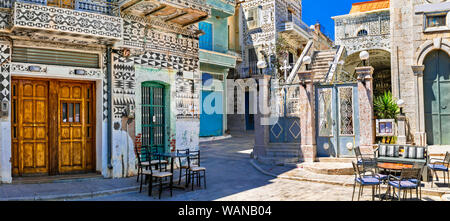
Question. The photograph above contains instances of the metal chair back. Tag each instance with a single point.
(447, 158)
(141, 154)
(410, 173)
(194, 158)
(370, 165)
(183, 160)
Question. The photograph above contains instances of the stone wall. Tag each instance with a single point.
(409, 44)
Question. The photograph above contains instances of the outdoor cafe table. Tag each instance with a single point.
(393, 167)
(172, 156)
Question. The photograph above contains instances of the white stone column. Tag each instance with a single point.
(365, 98)
(420, 137)
(307, 116)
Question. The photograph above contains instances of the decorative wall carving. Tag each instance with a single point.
(141, 35)
(5, 20)
(15, 67)
(67, 20)
(5, 55)
(376, 24)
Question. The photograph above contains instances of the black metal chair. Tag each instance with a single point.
(183, 165)
(360, 156)
(440, 165)
(404, 181)
(143, 162)
(371, 165)
(421, 166)
(195, 169)
(158, 175)
(364, 180)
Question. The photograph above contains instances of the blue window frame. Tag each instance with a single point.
(206, 40)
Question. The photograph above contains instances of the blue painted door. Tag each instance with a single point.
(437, 102)
(337, 122)
(206, 40)
(211, 124)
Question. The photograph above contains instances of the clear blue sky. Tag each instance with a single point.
(323, 10)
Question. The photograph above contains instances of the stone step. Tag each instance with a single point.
(284, 145)
(328, 168)
(322, 62)
(322, 53)
(336, 160)
(283, 154)
(278, 160)
(321, 67)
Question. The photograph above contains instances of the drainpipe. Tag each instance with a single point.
(109, 82)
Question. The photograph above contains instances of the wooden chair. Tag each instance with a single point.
(158, 175)
(195, 169)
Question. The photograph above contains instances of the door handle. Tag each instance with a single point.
(444, 107)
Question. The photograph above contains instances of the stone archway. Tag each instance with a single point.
(380, 60)
(436, 84)
(427, 47)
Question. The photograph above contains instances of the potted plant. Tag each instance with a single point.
(386, 112)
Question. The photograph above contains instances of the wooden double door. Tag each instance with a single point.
(52, 127)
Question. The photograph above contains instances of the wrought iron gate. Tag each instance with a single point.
(153, 114)
(337, 122)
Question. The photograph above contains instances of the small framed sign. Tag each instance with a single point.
(385, 127)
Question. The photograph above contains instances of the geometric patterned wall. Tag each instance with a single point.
(159, 47)
(5, 54)
(376, 25)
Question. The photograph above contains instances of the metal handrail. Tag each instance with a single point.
(299, 62)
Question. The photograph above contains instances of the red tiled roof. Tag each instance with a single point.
(369, 6)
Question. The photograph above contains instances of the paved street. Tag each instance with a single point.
(230, 176)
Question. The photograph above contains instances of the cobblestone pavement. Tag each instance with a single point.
(231, 177)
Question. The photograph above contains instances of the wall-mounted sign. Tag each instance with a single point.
(385, 127)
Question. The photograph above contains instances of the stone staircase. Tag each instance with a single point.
(321, 62)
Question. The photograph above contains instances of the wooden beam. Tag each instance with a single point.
(156, 10)
(197, 20)
(176, 16)
(130, 5)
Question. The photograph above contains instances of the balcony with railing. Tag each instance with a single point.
(85, 19)
(295, 28)
(181, 12)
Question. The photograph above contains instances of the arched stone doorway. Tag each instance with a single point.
(380, 60)
(436, 83)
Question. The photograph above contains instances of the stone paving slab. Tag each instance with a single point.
(66, 190)
(300, 174)
(70, 189)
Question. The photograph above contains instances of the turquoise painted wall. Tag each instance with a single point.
(219, 34)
